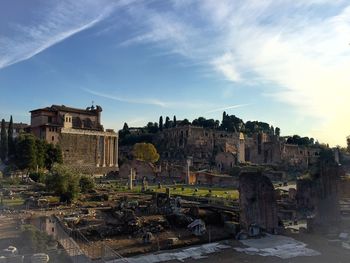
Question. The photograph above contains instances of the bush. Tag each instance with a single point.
(64, 182)
(87, 184)
(38, 177)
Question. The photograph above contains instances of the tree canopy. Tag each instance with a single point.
(145, 152)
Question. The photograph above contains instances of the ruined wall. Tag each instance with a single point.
(319, 196)
(176, 144)
(142, 169)
(257, 202)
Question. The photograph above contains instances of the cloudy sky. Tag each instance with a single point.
(286, 62)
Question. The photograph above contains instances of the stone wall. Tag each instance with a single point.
(257, 202)
(88, 152)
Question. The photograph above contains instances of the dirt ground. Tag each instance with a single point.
(9, 231)
(330, 253)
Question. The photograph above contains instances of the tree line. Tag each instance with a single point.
(230, 123)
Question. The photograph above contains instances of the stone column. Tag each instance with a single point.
(104, 152)
(97, 151)
(116, 151)
(111, 151)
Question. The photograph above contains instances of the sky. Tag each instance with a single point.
(285, 62)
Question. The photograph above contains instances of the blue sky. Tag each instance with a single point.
(286, 62)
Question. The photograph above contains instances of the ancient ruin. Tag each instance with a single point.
(258, 206)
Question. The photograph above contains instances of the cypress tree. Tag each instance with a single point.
(167, 120)
(4, 142)
(11, 143)
(174, 121)
(161, 123)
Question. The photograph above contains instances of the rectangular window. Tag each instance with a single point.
(49, 119)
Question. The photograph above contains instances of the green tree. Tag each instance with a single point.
(277, 131)
(161, 123)
(26, 152)
(64, 182)
(4, 142)
(40, 147)
(53, 155)
(174, 121)
(145, 152)
(11, 142)
(86, 183)
(167, 123)
(185, 122)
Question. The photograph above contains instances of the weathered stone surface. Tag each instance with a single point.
(257, 202)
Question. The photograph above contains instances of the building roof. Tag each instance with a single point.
(17, 125)
(54, 108)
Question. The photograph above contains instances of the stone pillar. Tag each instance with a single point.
(104, 152)
(111, 148)
(116, 151)
(97, 161)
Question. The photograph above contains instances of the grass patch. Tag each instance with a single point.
(13, 202)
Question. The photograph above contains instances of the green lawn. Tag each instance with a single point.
(202, 191)
(13, 202)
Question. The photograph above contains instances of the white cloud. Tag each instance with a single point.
(153, 101)
(301, 48)
(53, 22)
(228, 108)
(226, 66)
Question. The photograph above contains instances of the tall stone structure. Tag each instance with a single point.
(84, 142)
(202, 145)
(257, 202)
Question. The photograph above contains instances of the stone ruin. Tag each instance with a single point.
(318, 196)
(258, 203)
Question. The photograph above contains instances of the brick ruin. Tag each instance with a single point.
(222, 150)
(318, 196)
(258, 205)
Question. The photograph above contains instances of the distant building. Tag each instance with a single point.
(84, 142)
(178, 143)
(18, 128)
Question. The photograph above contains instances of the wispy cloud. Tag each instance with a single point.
(298, 50)
(52, 23)
(151, 101)
(145, 101)
(228, 108)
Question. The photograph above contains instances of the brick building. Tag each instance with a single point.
(84, 142)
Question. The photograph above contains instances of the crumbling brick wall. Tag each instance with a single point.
(257, 202)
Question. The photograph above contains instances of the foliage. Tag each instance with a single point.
(33, 153)
(258, 127)
(26, 152)
(35, 240)
(145, 152)
(38, 177)
(64, 182)
(152, 127)
(305, 141)
(53, 155)
(161, 123)
(4, 143)
(174, 121)
(231, 123)
(86, 184)
(203, 122)
(131, 139)
(167, 123)
(10, 140)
